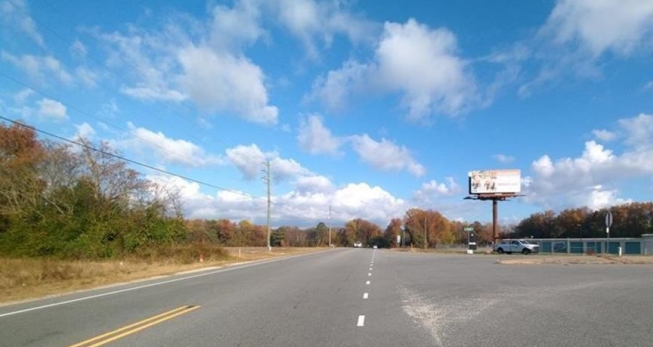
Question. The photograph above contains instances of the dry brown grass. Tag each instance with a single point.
(22, 279)
(258, 253)
(578, 260)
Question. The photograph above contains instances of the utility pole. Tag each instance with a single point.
(329, 226)
(266, 179)
(425, 240)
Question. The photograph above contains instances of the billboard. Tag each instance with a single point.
(494, 182)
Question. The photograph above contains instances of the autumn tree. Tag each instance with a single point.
(361, 230)
(430, 224)
(21, 153)
(392, 231)
(80, 202)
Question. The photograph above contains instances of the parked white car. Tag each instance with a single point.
(516, 246)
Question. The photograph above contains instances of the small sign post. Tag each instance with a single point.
(608, 224)
(468, 230)
(470, 245)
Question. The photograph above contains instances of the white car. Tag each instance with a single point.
(516, 246)
(358, 244)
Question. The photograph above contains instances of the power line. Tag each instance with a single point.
(125, 159)
(77, 109)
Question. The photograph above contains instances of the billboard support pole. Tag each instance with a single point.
(495, 213)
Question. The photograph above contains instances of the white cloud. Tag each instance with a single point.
(336, 87)
(22, 96)
(372, 202)
(311, 20)
(239, 25)
(223, 82)
(109, 109)
(423, 63)
(386, 155)
(596, 198)
(15, 14)
(313, 184)
(202, 63)
(638, 131)
(78, 49)
(420, 63)
(249, 161)
(432, 189)
(579, 33)
(315, 138)
(592, 178)
(604, 135)
(84, 131)
(305, 208)
(39, 69)
(282, 169)
(167, 150)
(87, 76)
(599, 26)
(150, 60)
(504, 159)
(52, 109)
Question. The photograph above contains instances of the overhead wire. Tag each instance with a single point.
(131, 161)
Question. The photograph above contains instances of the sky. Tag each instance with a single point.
(364, 108)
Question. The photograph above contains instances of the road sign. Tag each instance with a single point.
(608, 219)
(468, 229)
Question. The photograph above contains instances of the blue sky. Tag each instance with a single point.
(370, 107)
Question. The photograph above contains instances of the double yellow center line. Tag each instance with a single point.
(135, 327)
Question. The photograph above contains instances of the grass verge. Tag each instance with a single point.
(22, 279)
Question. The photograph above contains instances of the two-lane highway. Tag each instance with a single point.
(353, 297)
(313, 299)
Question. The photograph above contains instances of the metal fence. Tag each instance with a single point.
(630, 245)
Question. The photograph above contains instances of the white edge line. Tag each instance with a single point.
(361, 321)
(147, 285)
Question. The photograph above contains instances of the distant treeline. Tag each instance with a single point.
(629, 220)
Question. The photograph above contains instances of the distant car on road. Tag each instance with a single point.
(358, 244)
(516, 246)
(375, 246)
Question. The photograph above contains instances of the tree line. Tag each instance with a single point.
(629, 220)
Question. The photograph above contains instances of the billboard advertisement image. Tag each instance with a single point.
(494, 182)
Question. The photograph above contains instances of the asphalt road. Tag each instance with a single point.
(324, 299)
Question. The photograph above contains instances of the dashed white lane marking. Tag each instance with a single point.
(369, 274)
(370, 269)
(365, 296)
(361, 321)
(367, 283)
